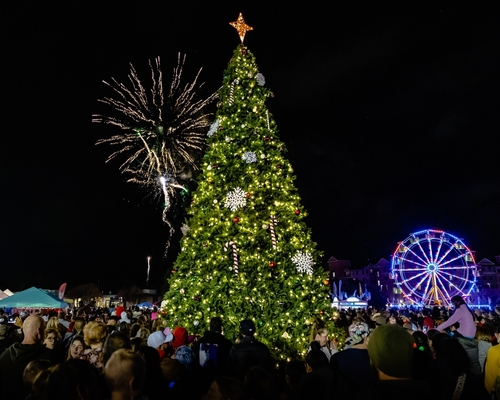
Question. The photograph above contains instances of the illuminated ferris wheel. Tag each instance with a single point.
(432, 266)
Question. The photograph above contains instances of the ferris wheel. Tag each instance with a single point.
(431, 266)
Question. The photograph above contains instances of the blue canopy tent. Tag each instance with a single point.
(32, 298)
(146, 304)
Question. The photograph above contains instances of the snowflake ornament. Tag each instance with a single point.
(260, 79)
(184, 229)
(249, 157)
(303, 262)
(213, 128)
(236, 199)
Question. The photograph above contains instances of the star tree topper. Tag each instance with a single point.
(241, 27)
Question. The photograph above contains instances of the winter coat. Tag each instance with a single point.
(13, 361)
(246, 354)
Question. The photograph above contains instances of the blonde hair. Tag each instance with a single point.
(94, 333)
(318, 328)
(52, 323)
(483, 334)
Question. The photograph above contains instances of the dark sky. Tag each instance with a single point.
(390, 116)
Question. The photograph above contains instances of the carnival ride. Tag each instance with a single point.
(432, 266)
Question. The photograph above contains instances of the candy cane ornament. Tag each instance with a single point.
(235, 255)
(274, 222)
(231, 91)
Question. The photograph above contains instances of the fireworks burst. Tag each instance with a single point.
(162, 134)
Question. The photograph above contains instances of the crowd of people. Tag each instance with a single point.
(121, 353)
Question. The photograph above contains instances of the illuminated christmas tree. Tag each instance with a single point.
(246, 250)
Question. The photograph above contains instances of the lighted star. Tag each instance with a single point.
(241, 27)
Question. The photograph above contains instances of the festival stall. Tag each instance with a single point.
(32, 298)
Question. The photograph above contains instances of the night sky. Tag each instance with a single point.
(390, 117)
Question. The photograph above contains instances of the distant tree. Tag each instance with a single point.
(85, 292)
(130, 294)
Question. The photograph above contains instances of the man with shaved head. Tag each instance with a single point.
(14, 360)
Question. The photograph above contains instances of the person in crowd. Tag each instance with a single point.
(391, 353)
(77, 329)
(31, 372)
(51, 338)
(154, 383)
(484, 336)
(124, 318)
(294, 372)
(94, 335)
(352, 365)
(226, 388)
(111, 324)
(162, 342)
(182, 352)
(119, 309)
(454, 377)
(134, 328)
(379, 319)
(260, 384)
(61, 317)
(76, 347)
(319, 333)
(319, 381)
(53, 323)
(466, 332)
(248, 352)
(123, 327)
(73, 379)
(423, 359)
(125, 373)
(6, 339)
(492, 367)
(427, 321)
(143, 334)
(14, 360)
(212, 350)
(113, 342)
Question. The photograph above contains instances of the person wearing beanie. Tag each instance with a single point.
(352, 365)
(248, 352)
(390, 348)
(162, 342)
(182, 352)
(212, 350)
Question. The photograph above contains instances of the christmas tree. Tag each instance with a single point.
(246, 250)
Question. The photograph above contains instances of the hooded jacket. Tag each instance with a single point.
(13, 361)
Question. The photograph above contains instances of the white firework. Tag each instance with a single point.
(249, 157)
(236, 199)
(303, 262)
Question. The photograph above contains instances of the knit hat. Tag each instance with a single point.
(357, 332)
(124, 317)
(185, 356)
(247, 327)
(391, 350)
(216, 324)
(156, 339)
(180, 337)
